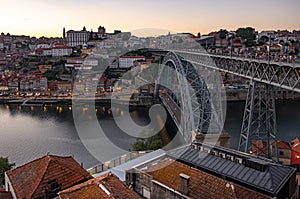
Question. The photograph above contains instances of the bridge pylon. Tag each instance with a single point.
(259, 127)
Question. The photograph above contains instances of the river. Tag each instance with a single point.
(27, 133)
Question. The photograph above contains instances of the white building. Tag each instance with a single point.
(77, 38)
(75, 63)
(1, 45)
(128, 61)
(42, 46)
(46, 51)
(61, 51)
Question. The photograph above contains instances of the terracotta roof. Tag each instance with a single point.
(112, 187)
(5, 194)
(202, 185)
(284, 145)
(32, 179)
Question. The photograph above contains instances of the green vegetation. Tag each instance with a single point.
(264, 39)
(152, 143)
(248, 35)
(50, 74)
(223, 33)
(4, 166)
(140, 52)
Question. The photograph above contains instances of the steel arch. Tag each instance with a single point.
(194, 102)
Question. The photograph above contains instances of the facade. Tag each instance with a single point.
(205, 171)
(61, 51)
(42, 46)
(128, 61)
(284, 152)
(44, 177)
(295, 160)
(44, 51)
(74, 63)
(1, 45)
(78, 38)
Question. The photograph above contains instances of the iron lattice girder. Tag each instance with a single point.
(281, 75)
(258, 133)
(196, 111)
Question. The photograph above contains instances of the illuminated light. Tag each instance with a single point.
(70, 108)
(103, 108)
(7, 107)
(60, 109)
(57, 108)
(19, 108)
(31, 108)
(45, 108)
(96, 110)
(122, 113)
(297, 156)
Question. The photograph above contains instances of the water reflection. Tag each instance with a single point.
(29, 132)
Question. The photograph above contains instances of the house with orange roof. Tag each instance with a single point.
(105, 186)
(288, 153)
(44, 177)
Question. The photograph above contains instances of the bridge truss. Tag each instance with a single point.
(258, 133)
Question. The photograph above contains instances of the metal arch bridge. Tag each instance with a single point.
(258, 133)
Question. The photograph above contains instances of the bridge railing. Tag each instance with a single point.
(282, 75)
(278, 59)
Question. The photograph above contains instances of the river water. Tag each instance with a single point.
(27, 133)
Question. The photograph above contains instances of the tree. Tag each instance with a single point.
(4, 166)
(247, 34)
(223, 33)
(264, 39)
(152, 143)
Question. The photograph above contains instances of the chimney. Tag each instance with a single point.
(184, 184)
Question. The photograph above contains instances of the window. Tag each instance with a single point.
(281, 153)
(54, 186)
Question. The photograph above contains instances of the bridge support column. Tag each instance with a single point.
(259, 128)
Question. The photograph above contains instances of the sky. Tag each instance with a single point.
(49, 17)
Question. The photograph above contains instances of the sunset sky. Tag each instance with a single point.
(48, 17)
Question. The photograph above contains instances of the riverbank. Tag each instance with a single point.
(144, 101)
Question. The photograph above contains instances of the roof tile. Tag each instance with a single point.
(32, 179)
